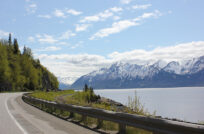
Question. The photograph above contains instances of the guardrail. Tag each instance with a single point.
(155, 125)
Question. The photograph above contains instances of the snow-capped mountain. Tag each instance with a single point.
(159, 74)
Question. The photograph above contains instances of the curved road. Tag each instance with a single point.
(17, 117)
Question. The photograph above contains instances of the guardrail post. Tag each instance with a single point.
(84, 119)
(122, 129)
(61, 112)
(71, 115)
(99, 123)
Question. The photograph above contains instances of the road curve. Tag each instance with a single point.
(17, 117)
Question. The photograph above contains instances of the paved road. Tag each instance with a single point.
(17, 117)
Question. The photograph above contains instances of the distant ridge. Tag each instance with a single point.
(159, 74)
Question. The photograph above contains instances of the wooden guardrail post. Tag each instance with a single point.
(122, 129)
(71, 115)
(99, 123)
(83, 119)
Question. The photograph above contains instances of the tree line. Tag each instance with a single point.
(19, 71)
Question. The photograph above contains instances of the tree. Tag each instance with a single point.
(86, 87)
(21, 72)
(16, 48)
(9, 40)
(4, 69)
(27, 51)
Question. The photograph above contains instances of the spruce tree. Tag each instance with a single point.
(9, 40)
(16, 48)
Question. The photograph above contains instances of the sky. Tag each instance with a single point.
(74, 37)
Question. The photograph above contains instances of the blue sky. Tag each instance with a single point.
(75, 37)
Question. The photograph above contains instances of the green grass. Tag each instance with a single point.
(88, 98)
(50, 96)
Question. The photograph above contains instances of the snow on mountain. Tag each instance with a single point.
(186, 67)
(158, 74)
(124, 70)
(173, 67)
(127, 70)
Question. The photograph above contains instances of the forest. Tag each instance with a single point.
(19, 71)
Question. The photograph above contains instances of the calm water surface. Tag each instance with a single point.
(185, 103)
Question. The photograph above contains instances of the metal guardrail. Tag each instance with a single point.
(155, 125)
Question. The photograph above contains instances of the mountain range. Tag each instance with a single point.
(158, 74)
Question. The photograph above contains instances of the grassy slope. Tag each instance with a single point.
(80, 98)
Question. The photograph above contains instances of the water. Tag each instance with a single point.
(185, 103)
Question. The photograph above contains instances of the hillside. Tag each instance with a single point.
(20, 71)
(159, 74)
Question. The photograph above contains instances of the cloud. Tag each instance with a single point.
(116, 9)
(116, 17)
(154, 14)
(45, 38)
(115, 28)
(77, 45)
(31, 8)
(67, 35)
(74, 66)
(141, 6)
(125, 1)
(31, 39)
(73, 12)
(3, 34)
(50, 48)
(171, 53)
(123, 24)
(98, 17)
(81, 27)
(59, 13)
(45, 16)
(102, 15)
(50, 39)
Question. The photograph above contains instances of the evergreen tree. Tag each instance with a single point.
(9, 40)
(16, 48)
(86, 87)
(27, 51)
(22, 72)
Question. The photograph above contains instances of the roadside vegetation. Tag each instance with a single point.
(19, 71)
(88, 98)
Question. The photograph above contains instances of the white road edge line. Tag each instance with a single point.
(12, 117)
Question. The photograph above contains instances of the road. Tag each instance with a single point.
(17, 117)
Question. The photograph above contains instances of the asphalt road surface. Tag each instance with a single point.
(17, 117)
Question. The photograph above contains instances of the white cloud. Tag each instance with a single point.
(74, 66)
(45, 16)
(50, 39)
(31, 39)
(102, 15)
(116, 17)
(81, 27)
(50, 48)
(123, 24)
(98, 17)
(141, 6)
(171, 53)
(46, 39)
(63, 43)
(73, 12)
(3, 34)
(77, 45)
(116, 9)
(115, 28)
(125, 1)
(67, 35)
(59, 13)
(31, 8)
